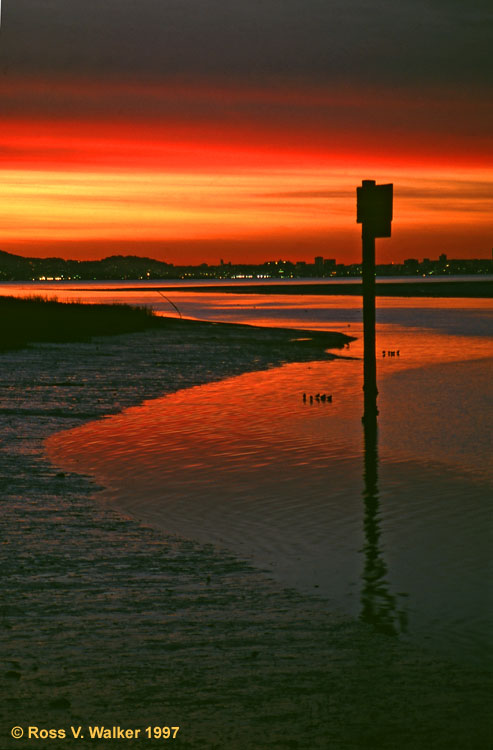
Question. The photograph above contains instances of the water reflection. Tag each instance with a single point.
(379, 607)
(245, 463)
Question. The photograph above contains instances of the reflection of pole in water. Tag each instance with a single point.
(378, 606)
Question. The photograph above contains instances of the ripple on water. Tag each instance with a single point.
(247, 464)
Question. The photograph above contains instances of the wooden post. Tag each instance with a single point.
(374, 212)
(369, 362)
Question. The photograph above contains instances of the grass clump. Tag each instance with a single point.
(30, 319)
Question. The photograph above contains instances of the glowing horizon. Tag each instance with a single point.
(187, 164)
(83, 188)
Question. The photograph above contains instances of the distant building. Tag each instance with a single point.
(411, 265)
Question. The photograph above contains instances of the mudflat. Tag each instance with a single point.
(108, 622)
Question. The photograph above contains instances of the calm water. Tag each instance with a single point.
(398, 533)
(246, 464)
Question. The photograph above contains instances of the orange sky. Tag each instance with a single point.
(192, 171)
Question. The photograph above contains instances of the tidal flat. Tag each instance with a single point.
(106, 621)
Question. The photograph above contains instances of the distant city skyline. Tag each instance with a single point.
(18, 268)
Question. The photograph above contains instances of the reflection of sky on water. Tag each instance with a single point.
(247, 464)
(460, 316)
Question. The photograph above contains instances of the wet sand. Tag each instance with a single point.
(107, 621)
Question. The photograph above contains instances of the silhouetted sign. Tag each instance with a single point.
(374, 207)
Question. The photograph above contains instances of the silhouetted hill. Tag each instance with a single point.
(13, 265)
(18, 268)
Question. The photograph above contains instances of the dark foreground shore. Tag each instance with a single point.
(107, 622)
(32, 319)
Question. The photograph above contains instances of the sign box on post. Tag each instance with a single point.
(374, 208)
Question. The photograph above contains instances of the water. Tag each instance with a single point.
(472, 317)
(398, 533)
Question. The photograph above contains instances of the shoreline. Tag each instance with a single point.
(130, 623)
(474, 289)
(36, 319)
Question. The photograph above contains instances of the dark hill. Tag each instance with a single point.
(18, 268)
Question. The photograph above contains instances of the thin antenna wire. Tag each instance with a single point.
(163, 295)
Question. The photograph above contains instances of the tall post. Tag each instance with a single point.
(369, 361)
(374, 212)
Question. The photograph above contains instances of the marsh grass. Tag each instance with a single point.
(26, 320)
(37, 318)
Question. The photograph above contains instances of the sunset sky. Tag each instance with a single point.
(194, 130)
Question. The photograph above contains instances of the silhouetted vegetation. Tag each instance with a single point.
(29, 319)
(32, 319)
